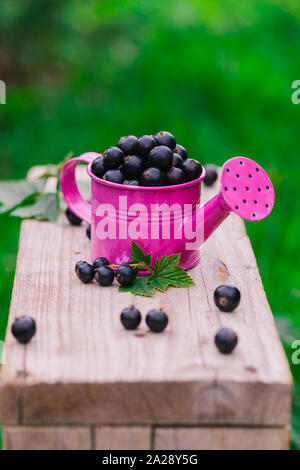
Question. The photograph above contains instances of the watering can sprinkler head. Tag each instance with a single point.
(246, 189)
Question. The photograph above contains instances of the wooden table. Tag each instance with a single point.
(84, 382)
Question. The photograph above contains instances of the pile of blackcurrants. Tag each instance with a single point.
(103, 273)
(147, 161)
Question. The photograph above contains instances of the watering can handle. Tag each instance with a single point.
(70, 190)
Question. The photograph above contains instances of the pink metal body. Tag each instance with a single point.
(121, 213)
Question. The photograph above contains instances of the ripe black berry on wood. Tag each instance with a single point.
(227, 297)
(130, 318)
(72, 218)
(161, 157)
(157, 320)
(104, 276)
(152, 177)
(125, 275)
(113, 157)
(114, 176)
(192, 169)
(127, 144)
(97, 166)
(165, 138)
(99, 262)
(84, 271)
(24, 328)
(144, 144)
(226, 340)
(78, 264)
(181, 151)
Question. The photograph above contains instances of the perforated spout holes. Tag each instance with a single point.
(247, 189)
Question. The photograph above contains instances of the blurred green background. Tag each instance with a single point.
(215, 73)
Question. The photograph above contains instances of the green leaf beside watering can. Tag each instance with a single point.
(28, 199)
(165, 273)
(15, 193)
(45, 208)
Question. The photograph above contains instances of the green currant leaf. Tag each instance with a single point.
(167, 273)
(14, 193)
(165, 263)
(138, 256)
(139, 287)
(45, 208)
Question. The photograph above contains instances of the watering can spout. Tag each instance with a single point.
(246, 189)
(211, 215)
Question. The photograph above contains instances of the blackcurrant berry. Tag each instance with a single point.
(134, 267)
(104, 276)
(84, 271)
(156, 320)
(24, 328)
(132, 182)
(211, 175)
(192, 169)
(161, 157)
(227, 298)
(130, 318)
(113, 157)
(88, 232)
(125, 275)
(97, 167)
(152, 177)
(175, 176)
(177, 161)
(99, 262)
(127, 144)
(144, 144)
(226, 340)
(165, 138)
(181, 151)
(72, 218)
(78, 264)
(133, 166)
(114, 176)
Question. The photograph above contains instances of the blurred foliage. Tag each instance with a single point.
(216, 74)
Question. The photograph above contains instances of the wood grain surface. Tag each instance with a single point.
(82, 367)
(222, 438)
(144, 438)
(47, 438)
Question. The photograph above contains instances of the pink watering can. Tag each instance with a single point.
(167, 219)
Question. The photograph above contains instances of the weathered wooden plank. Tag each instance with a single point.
(47, 438)
(123, 438)
(81, 357)
(10, 401)
(222, 438)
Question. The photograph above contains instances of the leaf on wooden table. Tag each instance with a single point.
(45, 208)
(14, 193)
(167, 273)
(139, 287)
